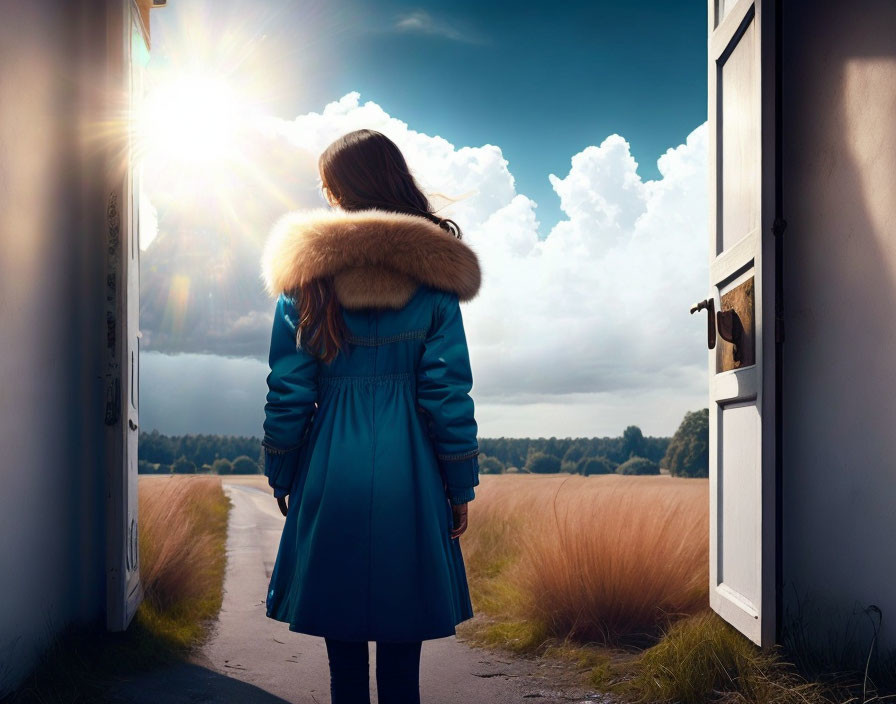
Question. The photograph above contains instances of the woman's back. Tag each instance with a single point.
(374, 446)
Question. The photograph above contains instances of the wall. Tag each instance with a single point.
(52, 510)
(839, 415)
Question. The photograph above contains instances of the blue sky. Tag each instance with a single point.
(542, 80)
(552, 117)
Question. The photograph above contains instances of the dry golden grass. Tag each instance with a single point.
(572, 567)
(183, 530)
(606, 559)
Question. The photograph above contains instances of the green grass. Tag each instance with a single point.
(183, 531)
(699, 659)
(703, 658)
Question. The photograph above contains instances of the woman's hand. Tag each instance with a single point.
(281, 502)
(459, 512)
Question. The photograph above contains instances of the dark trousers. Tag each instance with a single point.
(397, 672)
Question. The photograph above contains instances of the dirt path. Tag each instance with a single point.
(251, 658)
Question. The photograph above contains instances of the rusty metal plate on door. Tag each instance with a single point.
(736, 344)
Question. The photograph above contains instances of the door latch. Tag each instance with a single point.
(709, 305)
(731, 330)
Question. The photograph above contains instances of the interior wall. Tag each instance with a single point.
(52, 516)
(839, 393)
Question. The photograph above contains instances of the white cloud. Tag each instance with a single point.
(436, 163)
(421, 22)
(599, 308)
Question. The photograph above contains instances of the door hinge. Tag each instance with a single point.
(778, 227)
(779, 329)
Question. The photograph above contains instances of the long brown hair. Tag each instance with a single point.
(360, 170)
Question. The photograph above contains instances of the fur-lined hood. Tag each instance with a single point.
(377, 259)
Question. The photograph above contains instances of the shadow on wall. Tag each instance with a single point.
(839, 149)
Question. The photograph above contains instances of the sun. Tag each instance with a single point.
(193, 120)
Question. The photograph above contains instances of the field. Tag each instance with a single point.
(608, 559)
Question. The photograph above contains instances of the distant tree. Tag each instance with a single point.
(576, 451)
(540, 463)
(688, 452)
(206, 446)
(632, 442)
(155, 447)
(222, 466)
(187, 447)
(183, 466)
(144, 467)
(655, 448)
(517, 451)
(552, 446)
(245, 465)
(595, 465)
(490, 465)
(638, 465)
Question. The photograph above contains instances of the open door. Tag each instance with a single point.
(742, 305)
(128, 57)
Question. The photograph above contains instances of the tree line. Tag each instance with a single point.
(684, 454)
(189, 454)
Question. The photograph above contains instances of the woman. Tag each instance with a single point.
(369, 425)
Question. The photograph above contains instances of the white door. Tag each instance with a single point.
(128, 54)
(742, 156)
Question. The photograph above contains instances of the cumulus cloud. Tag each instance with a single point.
(600, 304)
(584, 326)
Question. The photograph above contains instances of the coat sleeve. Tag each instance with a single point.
(444, 381)
(291, 399)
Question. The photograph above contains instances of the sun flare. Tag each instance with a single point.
(193, 120)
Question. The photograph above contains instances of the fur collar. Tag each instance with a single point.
(377, 258)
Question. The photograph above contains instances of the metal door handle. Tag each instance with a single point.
(709, 305)
(731, 330)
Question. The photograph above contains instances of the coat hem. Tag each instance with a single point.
(325, 633)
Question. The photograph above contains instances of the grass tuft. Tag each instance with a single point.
(703, 659)
(606, 559)
(183, 531)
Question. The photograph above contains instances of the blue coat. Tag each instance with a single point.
(373, 447)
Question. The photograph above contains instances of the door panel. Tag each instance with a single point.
(742, 276)
(739, 500)
(738, 101)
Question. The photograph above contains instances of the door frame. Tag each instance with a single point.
(124, 589)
